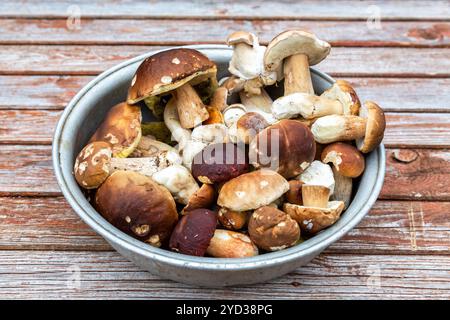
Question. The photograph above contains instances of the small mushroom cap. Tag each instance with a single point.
(293, 42)
(167, 70)
(347, 160)
(343, 91)
(233, 84)
(272, 229)
(311, 219)
(375, 126)
(241, 37)
(233, 220)
(138, 206)
(318, 174)
(231, 244)
(252, 190)
(121, 128)
(220, 162)
(249, 125)
(204, 198)
(193, 233)
(92, 164)
(287, 146)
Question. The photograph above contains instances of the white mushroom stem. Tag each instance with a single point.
(309, 106)
(260, 103)
(172, 121)
(318, 174)
(297, 77)
(179, 181)
(191, 110)
(148, 146)
(342, 188)
(334, 128)
(146, 166)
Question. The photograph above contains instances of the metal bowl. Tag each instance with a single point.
(84, 114)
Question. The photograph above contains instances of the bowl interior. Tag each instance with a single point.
(88, 108)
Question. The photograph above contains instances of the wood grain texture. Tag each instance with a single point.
(403, 129)
(255, 9)
(27, 170)
(106, 275)
(342, 62)
(393, 94)
(119, 32)
(391, 227)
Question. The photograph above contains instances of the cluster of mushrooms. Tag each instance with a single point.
(223, 170)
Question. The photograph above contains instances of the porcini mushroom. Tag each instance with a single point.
(260, 103)
(149, 146)
(178, 180)
(318, 173)
(298, 50)
(219, 162)
(287, 146)
(95, 163)
(272, 229)
(249, 125)
(233, 220)
(204, 198)
(193, 233)
(175, 71)
(247, 62)
(317, 212)
(346, 159)
(138, 206)
(121, 128)
(231, 244)
(252, 190)
(367, 128)
(341, 98)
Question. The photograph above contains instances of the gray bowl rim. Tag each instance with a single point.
(91, 217)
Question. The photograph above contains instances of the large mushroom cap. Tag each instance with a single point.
(375, 126)
(287, 146)
(293, 42)
(121, 128)
(138, 206)
(252, 190)
(168, 70)
(92, 164)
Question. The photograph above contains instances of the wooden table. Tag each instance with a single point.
(400, 250)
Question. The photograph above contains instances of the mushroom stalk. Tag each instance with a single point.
(297, 77)
(191, 109)
(172, 121)
(338, 128)
(259, 103)
(342, 189)
(146, 166)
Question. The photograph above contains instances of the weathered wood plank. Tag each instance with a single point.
(103, 275)
(254, 9)
(393, 94)
(27, 170)
(392, 227)
(342, 33)
(342, 62)
(403, 129)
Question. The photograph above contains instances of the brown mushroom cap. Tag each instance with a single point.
(252, 190)
(219, 162)
(347, 160)
(121, 128)
(296, 148)
(311, 219)
(249, 125)
(233, 220)
(193, 232)
(138, 206)
(204, 197)
(375, 126)
(343, 91)
(293, 42)
(92, 164)
(294, 194)
(272, 229)
(168, 70)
